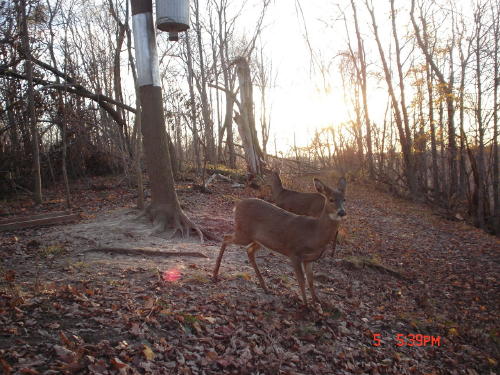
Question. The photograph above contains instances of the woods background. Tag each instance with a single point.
(68, 97)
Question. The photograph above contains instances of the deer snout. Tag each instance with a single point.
(341, 212)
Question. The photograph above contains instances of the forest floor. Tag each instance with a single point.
(407, 292)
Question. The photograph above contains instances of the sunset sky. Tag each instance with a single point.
(299, 101)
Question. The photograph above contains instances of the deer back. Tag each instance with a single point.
(282, 231)
(309, 204)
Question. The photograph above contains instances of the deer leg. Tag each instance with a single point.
(310, 280)
(227, 240)
(251, 250)
(299, 274)
(334, 243)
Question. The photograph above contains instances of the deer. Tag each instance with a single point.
(309, 204)
(302, 239)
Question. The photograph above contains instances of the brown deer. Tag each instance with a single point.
(303, 239)
(309, 204)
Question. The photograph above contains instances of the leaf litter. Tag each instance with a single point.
(66, 311)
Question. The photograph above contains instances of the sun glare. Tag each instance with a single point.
(301, 110)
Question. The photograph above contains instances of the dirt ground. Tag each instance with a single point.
(406, 292)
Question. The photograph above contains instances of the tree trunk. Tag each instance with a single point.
(404, 140)
(228, 125)
(463, 172)
(37, 194)
(192, 99)
(117, 84)
(447, 88)
(362, 63)
(246, 119)
(409, 144)
(61, 109)
(164, 208)
(480, 129)
(202, 88)
(496, 83)
(137, 124)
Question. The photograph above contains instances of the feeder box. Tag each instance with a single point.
(172, 15)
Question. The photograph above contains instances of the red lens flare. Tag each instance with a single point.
(171, 275)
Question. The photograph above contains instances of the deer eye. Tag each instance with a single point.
(331, 200)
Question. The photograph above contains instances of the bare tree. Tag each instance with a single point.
(26, 50)
(447, 86)
(246, 119)
(201, 83)
(264, 78)
(401, 123)
(362, 79)
(495, 19)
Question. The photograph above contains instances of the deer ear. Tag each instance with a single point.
(342, 185)
(320, 187)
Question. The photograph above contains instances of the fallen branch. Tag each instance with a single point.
(361, 262)
(223, 178)
(156, 253)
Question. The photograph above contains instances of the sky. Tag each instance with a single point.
(299, 102)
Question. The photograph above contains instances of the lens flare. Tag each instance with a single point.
(171, 275)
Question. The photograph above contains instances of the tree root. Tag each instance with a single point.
(210, 235)
(165, 217)
(139, 251)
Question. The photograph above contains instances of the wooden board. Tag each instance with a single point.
(29, 222)
(15, 219)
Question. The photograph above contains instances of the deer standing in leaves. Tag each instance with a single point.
(302, 239)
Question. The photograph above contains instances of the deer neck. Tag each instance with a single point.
(276, 187)
(327, 226)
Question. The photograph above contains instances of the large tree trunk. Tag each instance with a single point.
(164, 208)
(246, 119)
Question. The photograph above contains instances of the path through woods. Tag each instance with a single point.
(62, 311)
